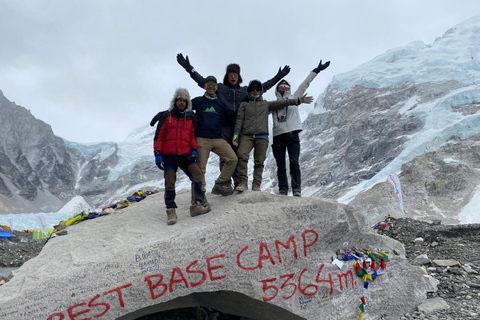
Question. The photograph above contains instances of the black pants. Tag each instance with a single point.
(287, 142)
(191, 169)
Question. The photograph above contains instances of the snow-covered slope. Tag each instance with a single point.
(412, 110)
(453, 56)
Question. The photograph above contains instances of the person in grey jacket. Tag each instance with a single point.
(287, 126)
(231, 93)
(252, 123)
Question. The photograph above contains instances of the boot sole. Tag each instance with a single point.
(198, 213)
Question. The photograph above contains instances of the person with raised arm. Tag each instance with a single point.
(231, 93)
(252, 125)
(287, 126)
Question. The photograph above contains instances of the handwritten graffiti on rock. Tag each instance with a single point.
(147, 261)
(305, 283)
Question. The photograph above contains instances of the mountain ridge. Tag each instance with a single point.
(411, 106)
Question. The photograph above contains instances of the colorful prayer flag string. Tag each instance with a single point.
(366, 268)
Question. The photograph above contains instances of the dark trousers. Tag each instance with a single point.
(287, 142)
(191, 169)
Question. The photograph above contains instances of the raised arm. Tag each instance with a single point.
(304, 85)
(279, 104)
(185, 63)
(279, 76)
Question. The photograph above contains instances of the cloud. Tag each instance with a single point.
(110, 65)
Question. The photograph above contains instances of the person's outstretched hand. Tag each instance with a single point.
(321, 66)
(303, 99)
(283, 72)
(184, 62)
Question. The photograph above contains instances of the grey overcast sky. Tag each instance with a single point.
(95, 70)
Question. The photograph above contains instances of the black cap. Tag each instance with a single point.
(211, 78)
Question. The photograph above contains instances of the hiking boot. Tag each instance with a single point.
(171, 216)
(256, 186)
(297, 193)
(283, 192)
(242, 185)
(205, 201)
(217, 188)
(225, 189)
(198, 208)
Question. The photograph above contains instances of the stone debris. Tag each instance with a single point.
(431, 305)
(446, 263)
(421, 260)
(457, 246)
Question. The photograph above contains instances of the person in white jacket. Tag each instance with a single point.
(287, 126)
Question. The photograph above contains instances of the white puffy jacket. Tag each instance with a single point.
(293, 122)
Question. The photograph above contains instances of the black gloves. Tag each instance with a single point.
(321, 66)
(283, 72)
(184, 62)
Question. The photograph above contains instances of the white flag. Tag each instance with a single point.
(43, 223)
(393, 179)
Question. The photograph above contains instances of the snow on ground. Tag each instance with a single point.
(435, 132)
(76, 204)
(471, 212)
(23, 221)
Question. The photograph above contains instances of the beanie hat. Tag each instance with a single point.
(254, 84)
(232, 68)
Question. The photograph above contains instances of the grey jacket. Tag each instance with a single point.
(252, 116)
(293, 122)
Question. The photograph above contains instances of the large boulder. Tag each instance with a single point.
(256, 255)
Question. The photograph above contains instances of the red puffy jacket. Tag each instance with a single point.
(177, 136)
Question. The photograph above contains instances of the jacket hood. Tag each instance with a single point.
(181, 93)
(252, 84)
(286, 94)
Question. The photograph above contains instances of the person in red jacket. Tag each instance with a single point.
(176, 147)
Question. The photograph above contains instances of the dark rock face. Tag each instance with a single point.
(32, 158)
(34, 161)
(359, 134)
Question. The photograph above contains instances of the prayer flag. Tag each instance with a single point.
(395, 181)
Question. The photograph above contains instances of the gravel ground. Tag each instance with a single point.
(458, 291)
(459, 284)
(22, 248)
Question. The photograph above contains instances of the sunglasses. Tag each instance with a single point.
(210, 84)
(255, 89)
(284, 86)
